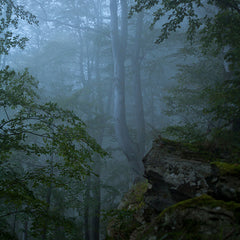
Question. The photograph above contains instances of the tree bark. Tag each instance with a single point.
(86, 210)
(97, 205)
(136, 62)
(26, 230)
(119, 45)
(48, 200)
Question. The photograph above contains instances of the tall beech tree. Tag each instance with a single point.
(136, 69)
(119, 31)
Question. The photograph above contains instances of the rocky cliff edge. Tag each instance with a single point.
(190, 192)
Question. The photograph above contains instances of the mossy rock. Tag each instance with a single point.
(200, 218)
(207, 151)
(134, 199)
(121, 225)
(196, 150)
(228, 169)
(125, 219)
(203, 201)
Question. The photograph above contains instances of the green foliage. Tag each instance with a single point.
(190, 100)
(205, 110)
(54, 138)
(10, 15)
(185, 133)
(221, 28)
(45, 151)
(206, 99)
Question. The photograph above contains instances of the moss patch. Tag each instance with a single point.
(227, 168)
(196, 150)
(121, 225)
(181, 221)
(123, 221)
(207, 151)
(202, 201)
(134, 199)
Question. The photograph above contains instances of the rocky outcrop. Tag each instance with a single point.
(178, 172)
(190, 193)
(199, 218)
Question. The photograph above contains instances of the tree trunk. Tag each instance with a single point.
(26, 230)
(48, 201)
(119, 45)
(136, 63)
(97, 206)
(86, 210)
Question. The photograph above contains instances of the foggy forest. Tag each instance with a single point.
(86, 86)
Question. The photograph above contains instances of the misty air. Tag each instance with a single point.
(119, 119)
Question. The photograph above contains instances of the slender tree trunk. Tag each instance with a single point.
(97, 168)
(119, 45)
(139, 113)
(48, 201)
(86, 210)
(26, 230)
(97, 205)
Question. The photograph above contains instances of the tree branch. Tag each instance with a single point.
(11, 213)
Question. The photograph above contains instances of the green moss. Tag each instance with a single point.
(122, 224)
(188, 234)
(190, 229)
(123, 221)
(201, 201)
(207, 151)
(134, 199)
(195, 150)
(139, 190)
(227, 168)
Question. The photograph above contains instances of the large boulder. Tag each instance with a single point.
(190, 193)
(199, 218)
(178, 172)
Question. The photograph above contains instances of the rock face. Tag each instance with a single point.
(178, 172)
(200, 218)
(189, 194)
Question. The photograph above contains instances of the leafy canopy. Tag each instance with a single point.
(219, 27)
(43, 148)
(10, 15)
(206, 101)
